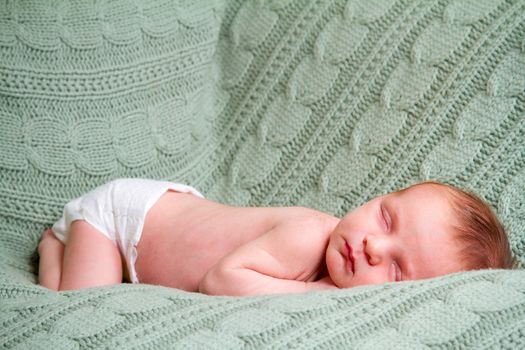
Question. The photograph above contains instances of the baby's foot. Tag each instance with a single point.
(47, 235)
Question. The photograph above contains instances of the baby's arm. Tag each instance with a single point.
(279, 261)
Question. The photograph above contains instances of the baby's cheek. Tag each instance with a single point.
(334, 272)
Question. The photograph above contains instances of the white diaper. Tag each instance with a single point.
(118, 210)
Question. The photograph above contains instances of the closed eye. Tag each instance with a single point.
(394, 272)
(398, 276)
(386, 218)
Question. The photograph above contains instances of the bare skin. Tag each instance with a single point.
(209, 232)
(178, 253)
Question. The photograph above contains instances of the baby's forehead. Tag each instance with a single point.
(425, 190)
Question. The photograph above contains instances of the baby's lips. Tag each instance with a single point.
(350, 260)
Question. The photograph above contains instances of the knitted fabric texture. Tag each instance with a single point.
(324, 104)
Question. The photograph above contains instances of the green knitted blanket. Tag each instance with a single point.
(324, 104)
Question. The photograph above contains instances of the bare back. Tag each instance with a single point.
(184, 236)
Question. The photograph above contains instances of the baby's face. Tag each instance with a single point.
(396, 237)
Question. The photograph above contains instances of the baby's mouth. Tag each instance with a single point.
(350, 261)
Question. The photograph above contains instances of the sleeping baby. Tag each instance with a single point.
(164, 233)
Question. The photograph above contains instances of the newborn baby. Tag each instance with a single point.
(156, 232)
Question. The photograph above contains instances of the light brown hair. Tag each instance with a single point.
(481, 237)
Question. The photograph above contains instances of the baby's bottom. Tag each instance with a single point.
(101, 230)
(89, 259)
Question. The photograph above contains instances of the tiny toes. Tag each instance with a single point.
(47, 234)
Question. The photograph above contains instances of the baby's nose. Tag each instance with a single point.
(374, 249)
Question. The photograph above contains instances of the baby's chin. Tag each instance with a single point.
(342, 284)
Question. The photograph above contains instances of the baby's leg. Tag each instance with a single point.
(90, 259)
(51, 251)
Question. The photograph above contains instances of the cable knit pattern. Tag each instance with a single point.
(324, 104)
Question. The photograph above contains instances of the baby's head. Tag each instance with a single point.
(426, 230)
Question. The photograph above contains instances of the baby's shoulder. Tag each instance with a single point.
(314, 221)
